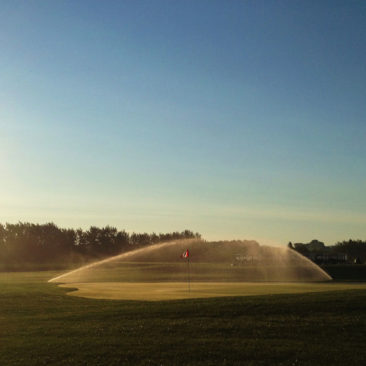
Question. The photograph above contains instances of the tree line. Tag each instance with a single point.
(347, 251)
(26, 244)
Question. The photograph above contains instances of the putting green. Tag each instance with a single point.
(157, 291)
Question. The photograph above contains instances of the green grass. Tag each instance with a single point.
(158, 291)
(40, 325)
(346, 272)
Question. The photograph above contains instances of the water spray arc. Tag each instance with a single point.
(213, 261)
(122, 256)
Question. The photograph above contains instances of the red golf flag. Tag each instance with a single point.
(185, 254)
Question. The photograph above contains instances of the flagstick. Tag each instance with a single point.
(189, 279)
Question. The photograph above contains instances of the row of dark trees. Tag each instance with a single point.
(355, 249)
(25, 243)
(346, 251)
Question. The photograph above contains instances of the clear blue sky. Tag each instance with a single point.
(237, 119)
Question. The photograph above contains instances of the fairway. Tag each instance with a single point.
(41, 325)
(158, 291)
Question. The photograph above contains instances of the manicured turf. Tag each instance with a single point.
(156, 281)
(41, 325)
(157, 291)
(346, 272)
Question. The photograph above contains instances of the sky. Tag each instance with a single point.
(235, 119)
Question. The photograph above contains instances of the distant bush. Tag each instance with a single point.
(347, 251)
(27, 245)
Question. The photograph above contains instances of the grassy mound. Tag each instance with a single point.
(158, 291)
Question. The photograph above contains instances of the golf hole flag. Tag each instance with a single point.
(185, 254)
